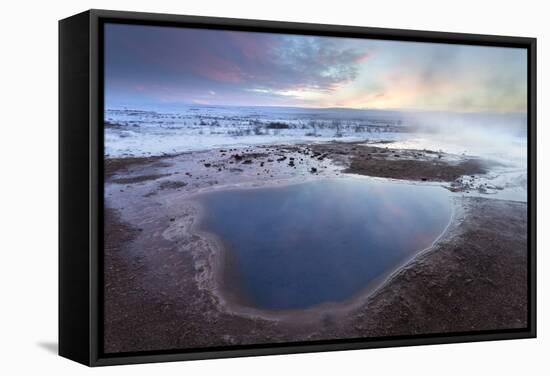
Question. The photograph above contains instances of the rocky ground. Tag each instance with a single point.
(475, 278)
(159, 292)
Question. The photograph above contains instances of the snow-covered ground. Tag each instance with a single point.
(144, 133)
(507, 151)
(500, 138)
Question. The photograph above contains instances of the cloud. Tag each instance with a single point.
(150, 64)
(218, 60)
(309, 63)
(431, 76)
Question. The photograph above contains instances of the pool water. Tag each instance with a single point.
(297, 246)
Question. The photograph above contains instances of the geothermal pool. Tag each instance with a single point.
(301, 245)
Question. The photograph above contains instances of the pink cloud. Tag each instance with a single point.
(217, 68)
(252, 46)
(362, 58)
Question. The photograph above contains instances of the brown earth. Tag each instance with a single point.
(420, 165)
(114, 165)
(474, 278)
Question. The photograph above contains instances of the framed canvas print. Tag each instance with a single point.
(238, 187)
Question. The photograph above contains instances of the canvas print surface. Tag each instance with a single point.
(266, 188)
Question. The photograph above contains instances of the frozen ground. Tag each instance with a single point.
(507, 177)
(146, 133)
(156, 163)
(500, 139)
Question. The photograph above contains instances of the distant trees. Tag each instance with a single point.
(337, 125)
(277, 125)
(313, 125)
(258, 130)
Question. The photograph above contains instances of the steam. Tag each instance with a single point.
(496, 136)
(500, 138)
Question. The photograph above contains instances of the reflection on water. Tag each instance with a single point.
(300, 245)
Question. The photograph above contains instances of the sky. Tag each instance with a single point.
(152, 66)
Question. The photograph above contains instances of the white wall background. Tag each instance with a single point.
(28, 189)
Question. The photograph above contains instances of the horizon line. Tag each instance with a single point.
(331, 108)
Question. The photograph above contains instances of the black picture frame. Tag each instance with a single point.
(81, 184)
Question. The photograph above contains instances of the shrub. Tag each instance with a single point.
(277, 125)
